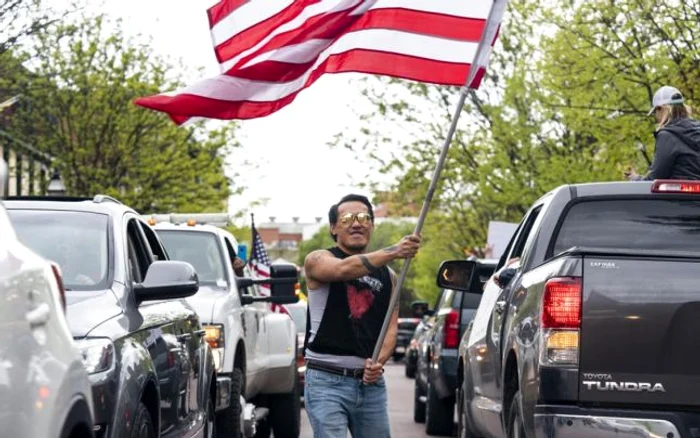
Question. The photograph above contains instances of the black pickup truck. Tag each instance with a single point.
(591, 324)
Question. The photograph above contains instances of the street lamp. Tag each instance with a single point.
(56, 186)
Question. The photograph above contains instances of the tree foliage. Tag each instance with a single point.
(77, 107)
(20, 19)
(564, 101)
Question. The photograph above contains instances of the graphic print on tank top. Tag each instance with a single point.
(361, 293)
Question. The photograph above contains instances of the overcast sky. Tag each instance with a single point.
(293, 168)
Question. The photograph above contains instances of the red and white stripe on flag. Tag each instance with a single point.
(270, 50)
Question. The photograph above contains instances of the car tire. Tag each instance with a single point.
(410, 370)
(439, 413)
(285, 413)
(143, 424)
(516, 428)
(418, 406)
(228, 421)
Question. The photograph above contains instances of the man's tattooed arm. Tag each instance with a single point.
(365, 261)
(323, 267)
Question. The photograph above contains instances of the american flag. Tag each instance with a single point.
(270, 50)
(259, 260)
(260, 263)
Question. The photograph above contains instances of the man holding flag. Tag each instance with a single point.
(271, 50)
(349, 293)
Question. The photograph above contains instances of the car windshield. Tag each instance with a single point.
(201, 250)
(77, 241)
(298, 314)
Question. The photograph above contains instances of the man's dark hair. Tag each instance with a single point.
(333, 212)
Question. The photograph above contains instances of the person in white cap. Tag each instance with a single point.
(677, 153)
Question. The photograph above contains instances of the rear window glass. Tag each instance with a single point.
(78, 242)
(201, 250)
(649, 224)
(471, 300)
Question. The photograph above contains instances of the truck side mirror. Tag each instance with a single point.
(286, 288)
(456, 274)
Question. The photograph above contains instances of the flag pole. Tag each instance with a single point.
(464, 91)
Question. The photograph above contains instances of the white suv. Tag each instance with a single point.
(44, 389)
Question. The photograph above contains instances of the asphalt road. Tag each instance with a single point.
(400, 406)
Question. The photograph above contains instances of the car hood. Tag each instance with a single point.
(205, 300)
(87, 310)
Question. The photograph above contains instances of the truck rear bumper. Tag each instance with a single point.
(561, 425)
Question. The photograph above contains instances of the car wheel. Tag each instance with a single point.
(418, 405)
(516, 429)
(143, 424)
(285, 413)
(410, 370)
(210, 425)
(439, 413)
(228, 421)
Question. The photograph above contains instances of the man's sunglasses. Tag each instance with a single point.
(349, 218)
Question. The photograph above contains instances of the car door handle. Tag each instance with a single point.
(39, 315)
(500, 306)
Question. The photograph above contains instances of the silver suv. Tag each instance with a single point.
(44, 388)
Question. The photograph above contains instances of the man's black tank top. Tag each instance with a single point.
(354, 314)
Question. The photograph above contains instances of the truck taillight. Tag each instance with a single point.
(450, 331)
(561, 305)
(561, 321)
(59, 282)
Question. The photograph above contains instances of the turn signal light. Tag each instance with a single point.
(214, 335)
(563, 339)
(560, 347)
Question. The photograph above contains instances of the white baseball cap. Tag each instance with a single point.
(666, 96)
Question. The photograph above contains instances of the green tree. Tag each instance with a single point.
(78, 108)
(603, 64)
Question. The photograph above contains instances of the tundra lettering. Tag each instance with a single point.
(624, 386)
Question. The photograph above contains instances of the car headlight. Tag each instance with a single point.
(98, 354)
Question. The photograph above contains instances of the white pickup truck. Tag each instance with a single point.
(253, 346)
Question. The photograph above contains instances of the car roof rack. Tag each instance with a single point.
(99, 199)
(46, 198)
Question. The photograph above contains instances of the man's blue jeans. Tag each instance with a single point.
(337, 403)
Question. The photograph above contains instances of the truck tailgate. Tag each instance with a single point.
(640, 330)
